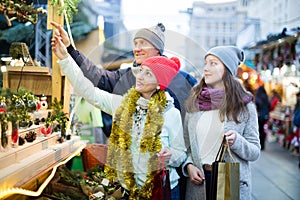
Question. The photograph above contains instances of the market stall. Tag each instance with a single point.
(249, 76)
(36, 139)
(277, 62)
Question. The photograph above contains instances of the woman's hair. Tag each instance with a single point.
(233, 102)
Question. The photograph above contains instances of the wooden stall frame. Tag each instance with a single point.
(57, 80)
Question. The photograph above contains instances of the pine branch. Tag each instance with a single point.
(68, 6)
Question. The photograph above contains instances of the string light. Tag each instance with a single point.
(22, 191)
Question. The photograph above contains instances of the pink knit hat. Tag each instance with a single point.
(163, 68)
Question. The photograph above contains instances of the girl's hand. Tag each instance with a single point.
(230, 137)
(195, 174)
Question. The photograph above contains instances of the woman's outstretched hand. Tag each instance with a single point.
(62, 33)
(58, 47)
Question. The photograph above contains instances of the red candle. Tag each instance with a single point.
(15, 135)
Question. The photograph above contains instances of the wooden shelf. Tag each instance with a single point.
(34, 79)
(31, 69)
(41, 157)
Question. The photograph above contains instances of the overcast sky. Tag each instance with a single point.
(152, 11)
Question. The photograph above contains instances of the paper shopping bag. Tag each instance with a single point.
(225, 183)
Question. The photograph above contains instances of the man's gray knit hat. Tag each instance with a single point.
(154, 35)
(231, 56)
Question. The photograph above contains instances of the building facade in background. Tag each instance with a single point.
(275, 15)
(213, 24)
(242, 22)
(203, 25)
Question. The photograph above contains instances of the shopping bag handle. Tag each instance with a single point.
(220, 154)
(229, 151)
(222, 150)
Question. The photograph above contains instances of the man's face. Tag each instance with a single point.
(143, 49)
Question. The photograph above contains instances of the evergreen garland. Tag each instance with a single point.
(70, 6)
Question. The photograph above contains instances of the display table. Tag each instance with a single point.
(29, 165)
(278, 115)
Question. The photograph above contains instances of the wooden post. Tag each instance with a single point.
(58, 83)
(56, 75)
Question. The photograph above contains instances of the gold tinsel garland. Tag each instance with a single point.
(119, 151)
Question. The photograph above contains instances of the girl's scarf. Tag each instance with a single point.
(211, 99)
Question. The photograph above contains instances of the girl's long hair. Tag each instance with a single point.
(233, 102)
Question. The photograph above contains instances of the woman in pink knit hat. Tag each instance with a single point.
(146, 127)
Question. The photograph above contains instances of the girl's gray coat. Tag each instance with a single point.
(245, 148)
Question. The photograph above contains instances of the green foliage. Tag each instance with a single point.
(15, 108)
(58, 116)
(58, 113)
(68, 177)
(29, 99)
(61, 196)
(70, 7)
(18, 105)
(3, 121)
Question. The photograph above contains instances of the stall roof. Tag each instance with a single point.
(277, 39)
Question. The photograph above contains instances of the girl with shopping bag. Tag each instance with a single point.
(218, 106)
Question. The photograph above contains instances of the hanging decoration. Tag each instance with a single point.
(67, 7)
(19, 10)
